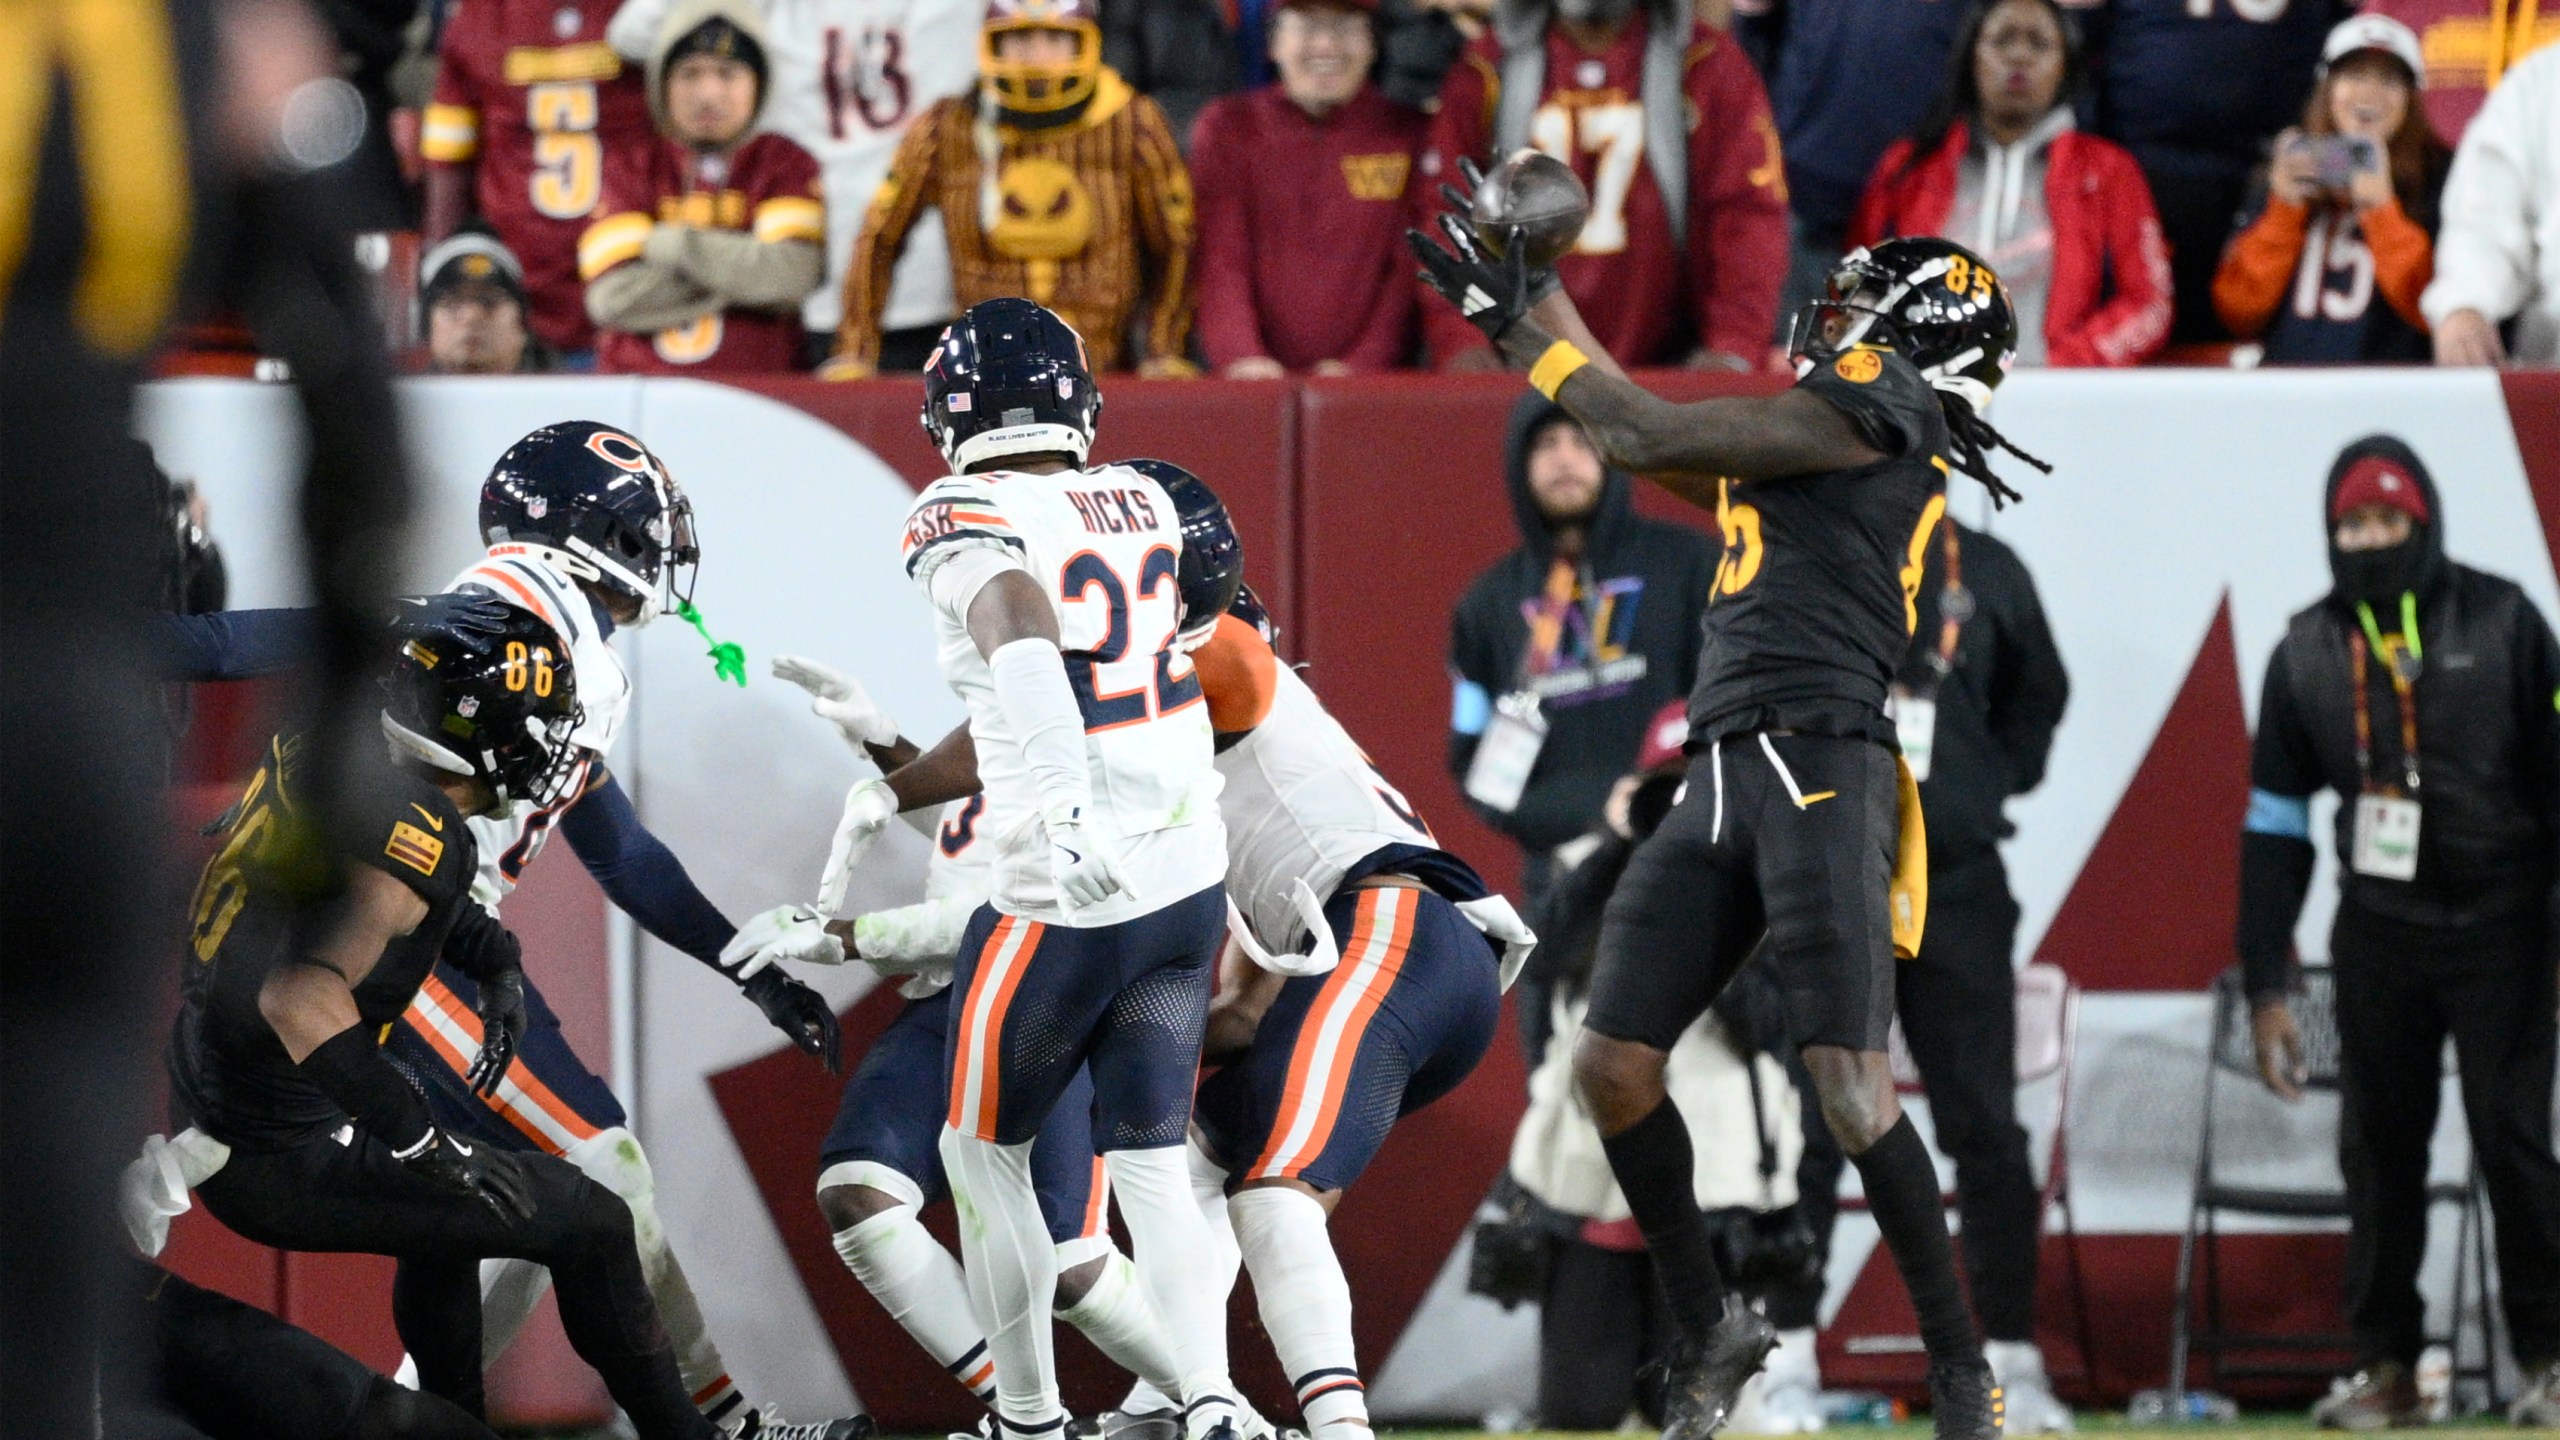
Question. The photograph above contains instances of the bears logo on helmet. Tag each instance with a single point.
(1009, 378)
(599, 505)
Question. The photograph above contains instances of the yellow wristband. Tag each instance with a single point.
(1555, 367)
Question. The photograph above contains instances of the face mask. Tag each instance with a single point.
(2380, 577)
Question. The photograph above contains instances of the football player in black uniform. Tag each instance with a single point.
(1799, 821)
(295, 977)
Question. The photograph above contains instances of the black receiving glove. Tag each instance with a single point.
(1493, 294)
(474, 619)
(799, 1012)
(492, 1177)
(502, 1024)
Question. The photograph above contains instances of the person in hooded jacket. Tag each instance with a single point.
(708, 237)
(1562, 650)
(2422, 692)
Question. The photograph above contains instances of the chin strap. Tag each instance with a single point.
(728, 658)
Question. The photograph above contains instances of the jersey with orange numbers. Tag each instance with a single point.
(1301, 801)
(1105, 546)
(766, 187)
(529, 91)
(509, 840)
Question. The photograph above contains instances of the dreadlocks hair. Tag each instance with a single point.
(1975, 442)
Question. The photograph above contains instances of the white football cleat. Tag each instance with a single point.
(2032, 1409)
(1785, 1398)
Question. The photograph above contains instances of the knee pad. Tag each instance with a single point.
(613, 1159)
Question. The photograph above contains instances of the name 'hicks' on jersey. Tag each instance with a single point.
(1105, 546)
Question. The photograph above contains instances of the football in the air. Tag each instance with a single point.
(1540, 195)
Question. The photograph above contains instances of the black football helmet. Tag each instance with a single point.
(1248, 607)
(500, 710)
(595, 502)
(1212, 568)
(1931, 301)
(1009, 378)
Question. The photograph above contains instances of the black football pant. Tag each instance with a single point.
(207, 1367)
(2401, 990)
(1958, 1003)
(325, 1196)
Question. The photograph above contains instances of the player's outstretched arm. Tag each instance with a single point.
(645, 880)
(1681, 447)
(1016, 628)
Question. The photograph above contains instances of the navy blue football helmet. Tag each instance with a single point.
(595, 502)
(1009, 378)
(497, 707)
(1248, 607)
(1212, 568)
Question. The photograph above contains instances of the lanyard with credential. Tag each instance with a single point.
(2404, 687)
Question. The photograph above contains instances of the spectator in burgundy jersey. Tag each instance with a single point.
(1687, 241)
(1301, 188)
(709, 237)
(471, 296)
(2331, 270)
(2000, 168)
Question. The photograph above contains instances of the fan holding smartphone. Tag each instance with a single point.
(2330, 269)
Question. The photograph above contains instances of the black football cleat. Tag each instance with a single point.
(1703, 1377)
(1965, 1401)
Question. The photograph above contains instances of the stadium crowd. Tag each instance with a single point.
(1220, 186)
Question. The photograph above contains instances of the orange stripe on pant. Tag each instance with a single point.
(1097, 1204)
(1381, 932)
(439, 996)
(1002, 960)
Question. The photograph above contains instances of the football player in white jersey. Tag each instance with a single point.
(587, 530)
(1322, 1053)
(880, 1165)
(1058, 599)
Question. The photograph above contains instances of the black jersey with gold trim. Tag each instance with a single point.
(264, 898)
(1813, 602)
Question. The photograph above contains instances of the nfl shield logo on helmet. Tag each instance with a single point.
(1066, 387)
(467, 706)
(537, 507)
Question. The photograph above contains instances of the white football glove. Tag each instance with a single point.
(1320, 958)
(1501, 924)
(839, 699)
(868, 809)
(1085, 866)
(785, 932)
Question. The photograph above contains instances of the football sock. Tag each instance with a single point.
(509, 1289)
(613, 1158)
(1116, 1317)
(1175, 1250)
(1146, 1399)
(1209, 1189)
(1902, 1193)
(921, 1287)
(1012, 1270)
(1306, 1306)
(1656, 1171)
